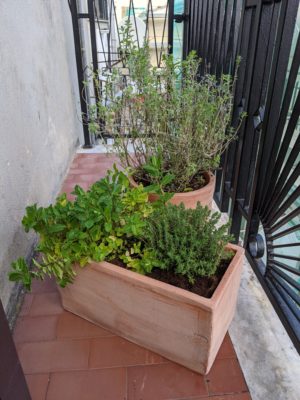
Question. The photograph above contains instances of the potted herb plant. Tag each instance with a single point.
(163, 277)
(169, 125)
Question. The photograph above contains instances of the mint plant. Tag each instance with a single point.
(104, 223)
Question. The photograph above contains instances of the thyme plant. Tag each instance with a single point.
(187, 241)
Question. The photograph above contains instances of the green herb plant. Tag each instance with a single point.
(104, 223)
(168, 113)
(187, 241)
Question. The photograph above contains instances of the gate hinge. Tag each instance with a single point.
(256, 246)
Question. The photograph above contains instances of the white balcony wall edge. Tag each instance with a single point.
(39, 117)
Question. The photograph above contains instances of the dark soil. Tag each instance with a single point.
(196, 183)
(204, 286)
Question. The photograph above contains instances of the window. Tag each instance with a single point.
(101, 9)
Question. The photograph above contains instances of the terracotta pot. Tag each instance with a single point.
(179, 325)
(190, 199)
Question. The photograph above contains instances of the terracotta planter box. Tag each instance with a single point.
(179, 325)
(190, 199)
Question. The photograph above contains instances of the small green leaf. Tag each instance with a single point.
(56, 228)
(167, 179)
(151, 170)
(108, 227)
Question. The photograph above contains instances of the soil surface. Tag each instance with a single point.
(196, 183)
(204, 286)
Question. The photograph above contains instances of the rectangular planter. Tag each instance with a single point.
(177, 324)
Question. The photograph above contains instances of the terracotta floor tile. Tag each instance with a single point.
(45, 286)
(72, 326)
(91, 158)
(107, 384)
(54, 356)
(162, 382)
(67, 187)
(27, 301)
(46, 304)
(35, 329)
(117, 352)
(237, 396)
(226, 349)
(86, 170)
(226, 377)
(37, 385)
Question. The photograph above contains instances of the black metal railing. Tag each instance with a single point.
(258, 182)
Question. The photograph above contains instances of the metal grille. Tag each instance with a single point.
(258, 183)
(97, 26)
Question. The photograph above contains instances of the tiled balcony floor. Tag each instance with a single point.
(67, 358)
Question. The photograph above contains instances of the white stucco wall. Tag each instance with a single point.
(39, 116)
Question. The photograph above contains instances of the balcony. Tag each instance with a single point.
(49, 148)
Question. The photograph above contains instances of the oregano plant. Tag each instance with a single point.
(168, 113)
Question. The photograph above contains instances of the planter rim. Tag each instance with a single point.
(171, 291)
(208, 174)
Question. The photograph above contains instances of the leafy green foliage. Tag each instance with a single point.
(186, 241)
(104, 223)
(169, 112)
(154, 169)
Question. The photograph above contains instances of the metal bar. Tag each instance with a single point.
(163, 36)
(286, 277)
(285, 295)
(202, 36)
(215, 58)
(221, 54)
(272, 138)
(279, 173)
(274, 215)
(286, 257)
(286, 267)
(288, 289)
(107, 63)
(154, 32)
(80, 74)
(93, 38)
(228, 167)
(285, 220)
(135, 25)
(186, 27)
(230, 49)
(171, 27)
(252, 103)
(279, 196)
(285, 232)
(291, 326)
(277, 246)
(215, 5)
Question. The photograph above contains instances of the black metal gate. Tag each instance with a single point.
(258, 182)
